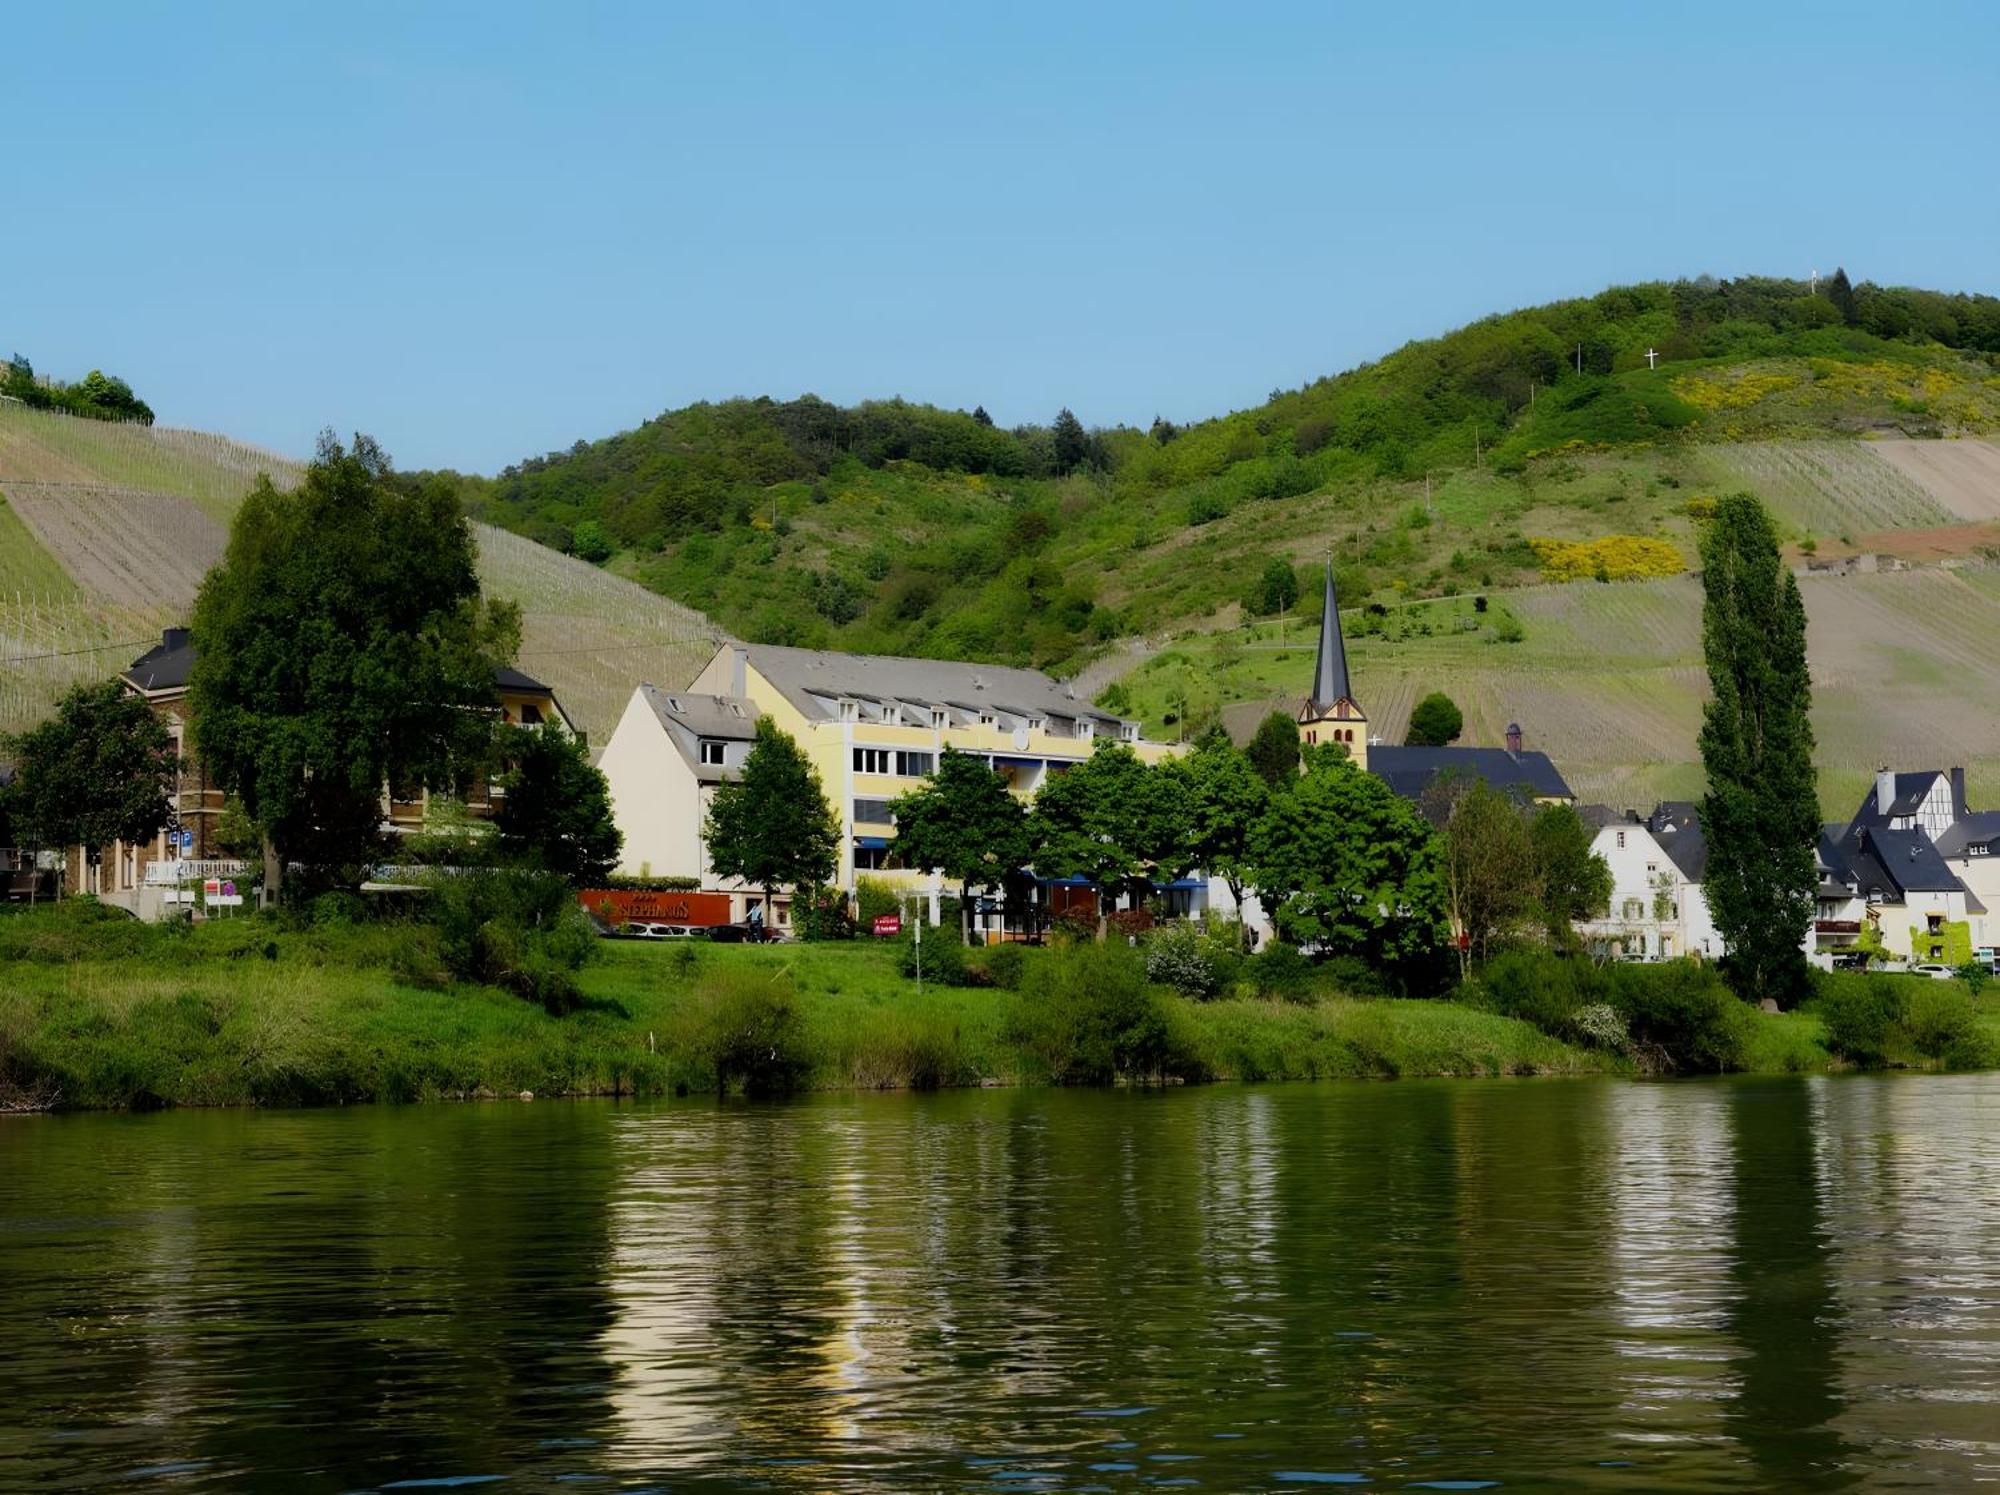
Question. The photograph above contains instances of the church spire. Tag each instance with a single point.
(1330, 672)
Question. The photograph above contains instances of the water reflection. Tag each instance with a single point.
(1589, 1285)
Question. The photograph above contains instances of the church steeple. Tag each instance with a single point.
(1330, 713)
(1330, 671)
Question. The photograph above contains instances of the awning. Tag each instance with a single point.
(871, 843)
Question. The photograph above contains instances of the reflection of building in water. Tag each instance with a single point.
(1672, 1216)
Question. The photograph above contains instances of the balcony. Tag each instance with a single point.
(173, 873)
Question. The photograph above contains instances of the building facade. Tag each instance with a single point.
(873, 726)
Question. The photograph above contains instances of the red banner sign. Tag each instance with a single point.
(888, 924)
(624, 906)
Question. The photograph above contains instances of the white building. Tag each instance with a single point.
(1888, 869)
(1657, 910)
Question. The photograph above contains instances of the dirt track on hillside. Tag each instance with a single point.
(1964, 476)
(133, 549)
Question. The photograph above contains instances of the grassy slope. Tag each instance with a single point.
(115, 500)
(323, 1019)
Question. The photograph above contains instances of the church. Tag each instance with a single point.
(1331, 714)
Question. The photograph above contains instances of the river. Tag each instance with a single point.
(1575, 1285)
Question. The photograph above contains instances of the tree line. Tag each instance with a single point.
(96, 396)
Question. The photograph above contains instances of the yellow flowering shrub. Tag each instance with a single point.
(1700, 508)
(1730, 389)
(1611, 558)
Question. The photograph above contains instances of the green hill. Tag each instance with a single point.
(901, 527)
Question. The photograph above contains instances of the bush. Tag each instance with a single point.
(1087, 1017)
(1176, 956)
(1684, 1015)
(823, 916)
(745, 1027)
(874, 899)
(1938, 1018)
(1282, 972)
(1540, 988)
(943, 959)
(1004, 966)
(521, 931)
(1861, 1015)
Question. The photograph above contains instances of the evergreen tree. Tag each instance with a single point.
(979, 414)
(1274, 751)
(772, 826)
(1071, 442)
(101, 769)
(1761, 813)
(963, 823)
(344, 646)
(1841, 294)
(1436, 722)
(556, 815)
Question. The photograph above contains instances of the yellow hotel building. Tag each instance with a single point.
(873, 726)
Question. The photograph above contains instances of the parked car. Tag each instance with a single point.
(656, 931)
(1935, 972)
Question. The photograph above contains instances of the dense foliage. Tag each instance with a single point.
(1761, 812)
(556, 811)
(96, 396)
(892, 526)
(344, 646)
(962, 822)
(771, 826)
(101, 769)
(1435, 721)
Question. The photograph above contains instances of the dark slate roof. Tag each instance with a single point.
(1896, 862)
(813, 679)
(1330, 668)
(1978, 827)
(167, 665)
(688, 718)
(509, 678)
(1410, 770)
(1597, 817)
(1910, 791)
(1676, 826)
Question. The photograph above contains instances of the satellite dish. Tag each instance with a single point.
(1021, 738)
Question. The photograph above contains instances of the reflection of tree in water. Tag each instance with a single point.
(411, 1298)
(1786, 1320)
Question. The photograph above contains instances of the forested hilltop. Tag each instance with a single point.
(1452, 465)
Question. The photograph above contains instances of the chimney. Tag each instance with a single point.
(1885, 791)
(739, 672)
(174, 638)
(1514, 738)
(1958, 810)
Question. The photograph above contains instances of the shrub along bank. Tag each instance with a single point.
(102, 1012)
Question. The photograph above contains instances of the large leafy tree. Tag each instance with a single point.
(1110, 820)
(772, 826)
(1346, 864)
(1761, 812)
(1274, 750)
(1489, 869)
(1573, 881)
(101, 769)
(1225, 799)
(962, 822)
(556, 810)
(344, 646)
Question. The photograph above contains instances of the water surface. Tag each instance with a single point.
(1573, 1285)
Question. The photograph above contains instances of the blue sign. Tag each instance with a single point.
(187, 840)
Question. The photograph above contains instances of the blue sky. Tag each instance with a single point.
(481, 232)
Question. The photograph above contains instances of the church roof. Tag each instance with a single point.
(1411, 770)
(1330, 669)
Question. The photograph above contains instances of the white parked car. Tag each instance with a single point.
(1935, 972)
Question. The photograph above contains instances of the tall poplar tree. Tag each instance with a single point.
(1761, 813)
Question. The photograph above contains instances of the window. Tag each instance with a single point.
(1621, 840)
(1634, 910)
(871, 760)
(916, 765)
(875, 859)
(873, 812)
(531, 714)
(712, 752)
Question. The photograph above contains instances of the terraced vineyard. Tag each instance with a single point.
(1827, 487)
(1609, 680)
(106, 531)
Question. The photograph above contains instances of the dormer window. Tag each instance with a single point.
(1129, 731)
(713, 753)
(986, 719)
(938, 719)
(1086, 730)
(850, 711)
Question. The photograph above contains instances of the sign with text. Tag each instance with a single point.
(887, 925)
(634, 906)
